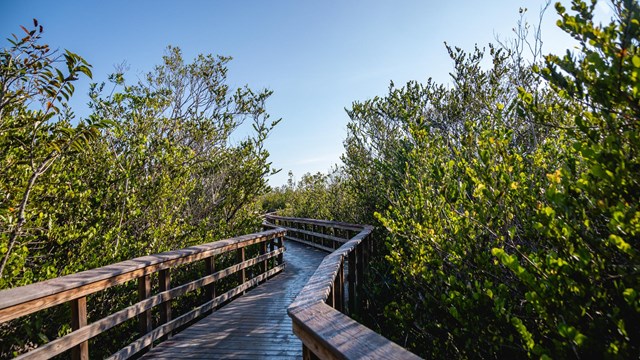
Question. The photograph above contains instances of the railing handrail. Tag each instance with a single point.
(74, 288)
(327, 223)
(10, 298)
(317, 321)
(319, 286)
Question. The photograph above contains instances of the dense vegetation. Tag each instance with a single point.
(509, 199)
(152, 168)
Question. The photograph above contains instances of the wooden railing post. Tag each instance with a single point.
(272, 245)
(78, 320)
(280, 243)
(242, 276)
(144, 291)
(359, 276)
(338, 289)
(331, 300)
(164, 279)
(263, 250)
(324, 231)
(210, 268)
(351, 270)
(75, 289)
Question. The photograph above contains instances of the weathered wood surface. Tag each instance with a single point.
(28, 299)
(325, 289)
(253, 326)
(74, 288)
(317, 312)
(342, 337)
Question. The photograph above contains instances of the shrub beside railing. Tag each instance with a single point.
(320, 312)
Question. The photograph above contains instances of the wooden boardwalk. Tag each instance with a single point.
(253, 326)
(306, 297)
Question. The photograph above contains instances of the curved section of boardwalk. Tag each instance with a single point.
(253, 326)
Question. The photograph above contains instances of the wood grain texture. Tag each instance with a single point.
(316, 312)
(79, 320)
(77, 339)
(24, 300)
(165, 329)
(254, 325)
(87, 332)
(332, 335)
(312, 291)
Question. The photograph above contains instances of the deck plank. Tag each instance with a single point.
(253, 326)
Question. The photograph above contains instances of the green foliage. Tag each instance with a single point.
(510, 202)
(153, 168)
(316, 196)
(590, 260)
(35, 133)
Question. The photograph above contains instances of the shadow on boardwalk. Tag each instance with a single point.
(253, 326)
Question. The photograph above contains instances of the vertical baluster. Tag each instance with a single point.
(331, 299)
(339, 287)
(242, 275)
(351, 270)
(164, 279)
(313, 237)
(263, 250)
(78, 320)
(210, 268)
(336, 291)
(359, 276)
(144, 291)
(304, 236)
(272, 246)
(323, 231)
(280, 243)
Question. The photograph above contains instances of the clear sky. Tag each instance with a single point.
(318, 57)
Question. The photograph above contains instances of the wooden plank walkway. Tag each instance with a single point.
(253, 326)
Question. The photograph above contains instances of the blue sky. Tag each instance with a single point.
(318, 57)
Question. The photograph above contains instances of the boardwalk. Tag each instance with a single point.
(254, 326)
(306, 298)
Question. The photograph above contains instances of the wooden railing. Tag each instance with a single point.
(319, 313)
(74, 289)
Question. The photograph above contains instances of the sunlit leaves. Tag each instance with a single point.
(152, 168)
(529, 189)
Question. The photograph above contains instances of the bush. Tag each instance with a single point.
(511, 203)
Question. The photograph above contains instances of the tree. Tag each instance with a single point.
(583, 278)
(162, 172)
(510, 199)
(35, 132)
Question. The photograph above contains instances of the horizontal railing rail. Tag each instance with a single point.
(320, 312)
(74, 289)
(321, 234)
